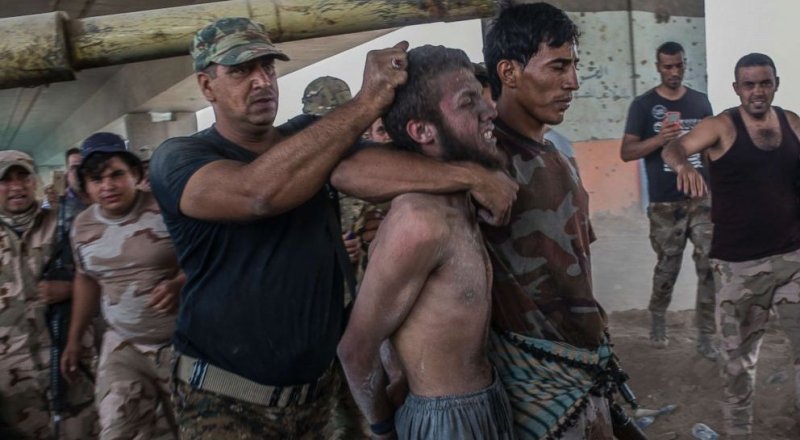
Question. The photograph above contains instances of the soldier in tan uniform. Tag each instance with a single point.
(26, 245)
(320, 97)
(125, 259)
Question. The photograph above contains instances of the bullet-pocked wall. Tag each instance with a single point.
(617, 63)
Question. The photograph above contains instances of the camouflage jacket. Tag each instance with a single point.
(23, 328)
(128, 257)
(541, 259)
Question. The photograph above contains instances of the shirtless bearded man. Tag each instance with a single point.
(427, 288)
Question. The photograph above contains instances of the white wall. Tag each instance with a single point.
(735, 28)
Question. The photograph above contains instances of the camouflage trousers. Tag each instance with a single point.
(208, 416)
(25, 406)
(671, 224)
(749, 292)
(133, 390)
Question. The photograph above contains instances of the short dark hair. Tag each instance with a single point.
(70, 152)
(517, 32)
(419, 97)
(754, 59)
(669, 48)
(96, 163)
(481, 74)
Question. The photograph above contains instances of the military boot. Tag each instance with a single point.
(706, 347)
(658, 330)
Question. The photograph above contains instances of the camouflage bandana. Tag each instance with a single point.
(20, 222)
(231, 41)
(325, 94)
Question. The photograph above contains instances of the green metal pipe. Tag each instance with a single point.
(45, 48)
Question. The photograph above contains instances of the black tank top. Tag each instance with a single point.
(755, 206)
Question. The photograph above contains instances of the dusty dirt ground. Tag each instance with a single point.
(678, 375)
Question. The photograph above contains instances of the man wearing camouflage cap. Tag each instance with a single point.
(245, 202)
(27, 241)
(325, 94)
(320, 97)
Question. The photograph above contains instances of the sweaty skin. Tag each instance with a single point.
(427, 289)
(756, 88)
(450, 317)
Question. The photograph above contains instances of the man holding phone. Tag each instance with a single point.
(655, 118)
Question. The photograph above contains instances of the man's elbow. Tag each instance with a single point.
(261, 206)
(626, 154)
(667, 150)
(342, 176)
(347, 351)
(626, 157)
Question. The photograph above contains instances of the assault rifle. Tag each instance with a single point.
(624, 427)
(57, 316)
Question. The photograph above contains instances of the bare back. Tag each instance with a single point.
(441, 343)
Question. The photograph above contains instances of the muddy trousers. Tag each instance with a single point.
(671, 225)
(748, 292)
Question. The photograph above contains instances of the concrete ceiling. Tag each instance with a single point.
(46, 120)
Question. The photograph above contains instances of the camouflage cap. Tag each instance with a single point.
(325, 94)
(15, 158)
(231, 41)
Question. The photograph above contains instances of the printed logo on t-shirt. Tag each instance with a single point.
(658, 111)
(686, 125)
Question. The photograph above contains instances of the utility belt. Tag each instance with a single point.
(201, 375)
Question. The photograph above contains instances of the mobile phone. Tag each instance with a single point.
(672, 118)
(58, 180)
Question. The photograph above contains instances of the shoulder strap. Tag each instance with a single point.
(736, 117)
(786, 129)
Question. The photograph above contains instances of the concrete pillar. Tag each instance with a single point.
(153, 128)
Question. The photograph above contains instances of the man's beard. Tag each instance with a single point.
(455, 150)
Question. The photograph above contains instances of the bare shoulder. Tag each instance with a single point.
(417, 219)
(720, 123)
(792, 115)
(794, 120)
(717, 131)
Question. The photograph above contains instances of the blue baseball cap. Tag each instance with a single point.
(104, 142)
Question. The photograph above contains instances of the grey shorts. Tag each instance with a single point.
(484, 414)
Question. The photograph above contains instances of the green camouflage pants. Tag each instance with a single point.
(749, 291)
(209, 416)
(133, 391)
(671, 224)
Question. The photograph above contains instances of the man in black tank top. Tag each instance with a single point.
(754, 153)
(655, 118)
